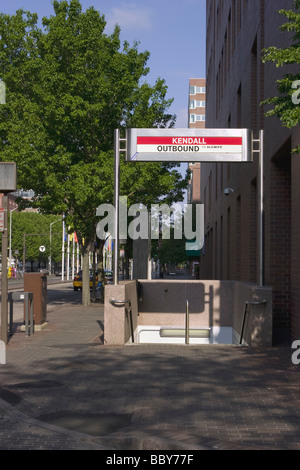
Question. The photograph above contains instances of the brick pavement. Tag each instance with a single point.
(63, 389)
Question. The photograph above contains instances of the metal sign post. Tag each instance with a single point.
(117, 151)
(8, 183)
(116, 203)
(261, 215)
(4, 281)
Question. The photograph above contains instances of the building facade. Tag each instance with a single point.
(11, 200)
(197, 98)
(237, 82)
(196, 120)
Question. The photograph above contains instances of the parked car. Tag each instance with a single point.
(108, 276)
(59, 273)
(77, 281)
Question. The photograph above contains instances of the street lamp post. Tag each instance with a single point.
(8, 184)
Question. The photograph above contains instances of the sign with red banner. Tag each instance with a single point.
(189, 145)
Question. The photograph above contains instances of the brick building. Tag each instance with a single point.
(197, 98)
(12, 205)
(237, 82)
(196, 118)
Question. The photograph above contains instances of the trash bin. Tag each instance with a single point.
(37, 284)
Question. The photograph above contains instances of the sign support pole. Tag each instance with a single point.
(261, 208)
(8, 183)
(116, 204)
(117, 151)
(261, 214)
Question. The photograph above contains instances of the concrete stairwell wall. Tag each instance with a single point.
(211, 304)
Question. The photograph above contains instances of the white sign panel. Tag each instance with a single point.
(189, 145)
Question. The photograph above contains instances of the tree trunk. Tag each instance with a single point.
(100, 267)
(86, 294)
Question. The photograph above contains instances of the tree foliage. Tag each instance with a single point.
(283, 106)
(69, 85)
(36, 228)
(171, 251)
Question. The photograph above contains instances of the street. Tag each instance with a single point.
(18, 284)
(58, 294)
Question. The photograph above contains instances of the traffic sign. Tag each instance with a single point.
(42, 248)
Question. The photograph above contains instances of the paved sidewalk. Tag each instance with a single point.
(62, 389)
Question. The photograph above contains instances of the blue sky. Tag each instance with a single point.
(173, 31)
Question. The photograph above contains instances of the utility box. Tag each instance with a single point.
(37, 284)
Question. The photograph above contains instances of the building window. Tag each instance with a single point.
(197, 118)
(200, 89)
(197, 104)
(192, 90)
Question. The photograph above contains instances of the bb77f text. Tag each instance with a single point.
(163, 459)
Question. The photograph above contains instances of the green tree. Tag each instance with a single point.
(171, 251)
(286, 106)
(36, 228)
(69, 85)
(172, 248)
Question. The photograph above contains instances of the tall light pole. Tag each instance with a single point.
(10, 217)
(8, 184)
(50, 257)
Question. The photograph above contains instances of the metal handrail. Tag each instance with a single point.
(114, 301)
(187, 323)
(28, 298)
(247, 303)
